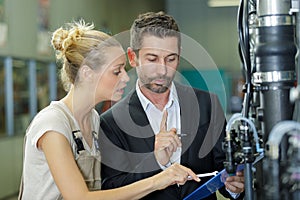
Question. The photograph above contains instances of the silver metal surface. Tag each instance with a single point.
(274, 76)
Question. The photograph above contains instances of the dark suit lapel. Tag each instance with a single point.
(190, 117)
(139, 117)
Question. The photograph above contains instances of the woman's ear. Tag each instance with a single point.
(86, 72)
(132, 57)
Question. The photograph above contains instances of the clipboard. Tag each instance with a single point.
(215, 183)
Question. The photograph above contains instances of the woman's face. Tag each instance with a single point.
(112, 77)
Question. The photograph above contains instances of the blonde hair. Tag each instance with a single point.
(79, 44)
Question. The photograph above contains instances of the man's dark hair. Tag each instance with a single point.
(155, 24)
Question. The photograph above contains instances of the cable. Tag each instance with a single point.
(239, 116)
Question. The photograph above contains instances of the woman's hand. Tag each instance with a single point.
(175, 174)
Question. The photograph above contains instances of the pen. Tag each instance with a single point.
(205, 174)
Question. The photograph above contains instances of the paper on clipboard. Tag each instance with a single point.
(213, 184)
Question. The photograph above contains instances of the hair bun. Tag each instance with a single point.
(58, 39)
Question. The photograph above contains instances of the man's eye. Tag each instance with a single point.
(171, 59)
(151, 59)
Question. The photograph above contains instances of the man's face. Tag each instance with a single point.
(158, 59)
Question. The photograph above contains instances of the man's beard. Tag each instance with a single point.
(157, 88)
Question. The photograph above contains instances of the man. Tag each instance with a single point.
(162, 122)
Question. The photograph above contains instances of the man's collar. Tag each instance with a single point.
(173, 97)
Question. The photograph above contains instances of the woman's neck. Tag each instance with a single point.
(81, 110)
(80, 105)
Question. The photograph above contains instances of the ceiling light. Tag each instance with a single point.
(223, 3)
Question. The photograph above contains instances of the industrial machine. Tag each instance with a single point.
(265, 136)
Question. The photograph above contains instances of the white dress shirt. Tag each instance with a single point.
(155, 115)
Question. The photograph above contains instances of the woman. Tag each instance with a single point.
(62, 158)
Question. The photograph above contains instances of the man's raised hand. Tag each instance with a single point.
(166, 142)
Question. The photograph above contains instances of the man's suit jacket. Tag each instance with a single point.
(127, 142)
